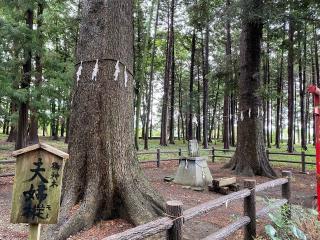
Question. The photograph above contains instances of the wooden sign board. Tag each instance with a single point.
(37, 184)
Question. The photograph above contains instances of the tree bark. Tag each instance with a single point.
(166, 85)
(33, 133)
(279, 97)
(172, 75)
(191, 97)
(302, 78)
(291, 87)
(316, 55)
(250, 157)
(22, 128)
(102, 176)
(205, 88)
(149, 109)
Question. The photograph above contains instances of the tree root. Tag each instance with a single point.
(247, 170)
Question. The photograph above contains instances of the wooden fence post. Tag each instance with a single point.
(174, 210)
(180, 154)
(212, 152)
(250, 210)
(286, 193)
(303, 162)
(158, 157)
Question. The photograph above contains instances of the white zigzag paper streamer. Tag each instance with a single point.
(117, 71)
(125, 76)
(95, 71)
(79, 73)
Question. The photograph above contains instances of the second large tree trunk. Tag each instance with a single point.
(250, 157)
(103, 177)
(22, 130)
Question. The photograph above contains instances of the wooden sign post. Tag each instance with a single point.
(316, 94)
(37, 186)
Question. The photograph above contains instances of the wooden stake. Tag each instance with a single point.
(174, 210)
(34, 233)
(250, 210)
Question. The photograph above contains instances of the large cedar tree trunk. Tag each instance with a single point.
(22, 130)
(250, 157)
(103, 175)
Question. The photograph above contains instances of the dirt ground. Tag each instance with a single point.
(303, 190)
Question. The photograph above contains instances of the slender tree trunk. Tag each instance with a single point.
(316, 55)
(172, 74)
(198, 128)
(279, 97)
(291, 87)
(103, 176)
(22, 131)
(213, 127)
(313, 77)
(268, 107)
(205, 88)
(166, 85)
(146, 142)
(33, 133)
(250, 157)
(180, 108)
(303, 80)
(13, 128)
(191, 97)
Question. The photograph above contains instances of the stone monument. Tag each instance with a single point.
(193, 170)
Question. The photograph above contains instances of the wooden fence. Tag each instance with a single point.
(213, 155)
(173, 223)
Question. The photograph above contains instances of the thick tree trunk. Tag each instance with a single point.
(250, 157)
(103, 176)
(22, 129)
(291, 87)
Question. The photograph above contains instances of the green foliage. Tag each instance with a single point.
(282, 228)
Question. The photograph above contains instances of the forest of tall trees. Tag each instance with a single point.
(106, 77)
(187, 69)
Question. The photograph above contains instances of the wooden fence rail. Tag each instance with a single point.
(213, 155)
(173, 224)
